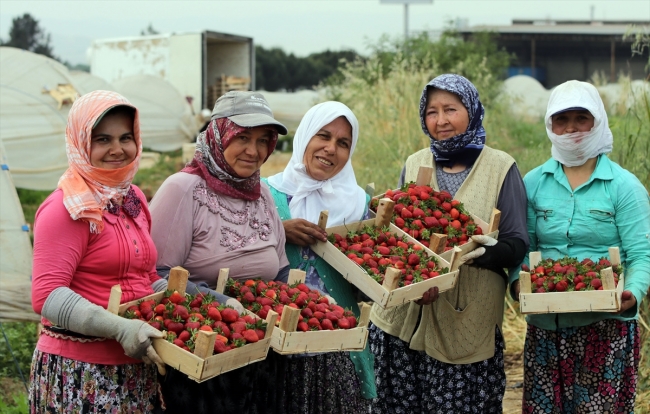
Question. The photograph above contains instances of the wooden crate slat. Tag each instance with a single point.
(338, 340)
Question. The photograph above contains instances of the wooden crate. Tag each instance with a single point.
(438, 242)
(386, 295)
(287, 340)
(202, 364)
(606, 300)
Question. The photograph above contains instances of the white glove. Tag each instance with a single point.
(71, 311)
(234, 303)
(480, 239)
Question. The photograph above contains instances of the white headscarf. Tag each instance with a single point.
(341, 195)
(576, 148)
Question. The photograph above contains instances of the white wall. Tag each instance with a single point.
(185, 63)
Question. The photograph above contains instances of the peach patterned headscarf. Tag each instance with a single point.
(88, 190)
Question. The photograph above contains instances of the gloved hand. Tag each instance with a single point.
(481, 239)
(71, 311)
(235, 304)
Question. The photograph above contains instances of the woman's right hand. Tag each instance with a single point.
(302, 232)
(428, 297)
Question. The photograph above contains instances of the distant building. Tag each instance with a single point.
(554, 51)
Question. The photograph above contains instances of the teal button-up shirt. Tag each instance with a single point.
(612, 209)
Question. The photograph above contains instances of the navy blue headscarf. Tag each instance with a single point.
(466, 147)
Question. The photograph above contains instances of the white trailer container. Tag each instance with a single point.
(192, 62)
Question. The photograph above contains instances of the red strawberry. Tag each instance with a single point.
(184, 336)
(313, 323)
(229, 315)
(220, 347)
(596, 283)
(413, 259)
(327, 324)
(250, 336)
(302, 326)
(214, 314)
(580, 286)
(343, 323)
(176, 297)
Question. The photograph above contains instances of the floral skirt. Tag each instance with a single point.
(321, 384)
(63, 385)
(587, 369)
(410, 381)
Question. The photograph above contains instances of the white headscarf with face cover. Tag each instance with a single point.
(340, 195)
(576, 148)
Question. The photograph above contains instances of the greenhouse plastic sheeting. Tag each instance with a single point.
(15, 253)
(32, 128)
(166, 119)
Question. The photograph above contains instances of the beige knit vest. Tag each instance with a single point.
(459, 327)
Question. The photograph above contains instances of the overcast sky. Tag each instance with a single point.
(301, 27)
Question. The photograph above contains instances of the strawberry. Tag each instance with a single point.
(250, 336)
(176, 297)
(326, 324)
(220, 347)
(413, 259)
(596, 283)
(229, 315)
(184, 336)
(214, 314)
(343, 323)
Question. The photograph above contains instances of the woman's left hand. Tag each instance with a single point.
(302, 232)
(627, 301)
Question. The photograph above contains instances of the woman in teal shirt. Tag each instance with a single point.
(319, 177)
(580, 203)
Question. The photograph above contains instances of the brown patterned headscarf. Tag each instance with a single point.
(210, 164)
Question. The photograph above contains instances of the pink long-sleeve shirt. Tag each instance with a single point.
(66, 254)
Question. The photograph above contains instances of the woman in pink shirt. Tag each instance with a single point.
(90, 234)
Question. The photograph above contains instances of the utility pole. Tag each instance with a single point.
(406, 11)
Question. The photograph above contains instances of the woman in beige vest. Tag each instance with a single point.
(444, 353)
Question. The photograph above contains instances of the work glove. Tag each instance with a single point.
(476, 253)
(71, 311)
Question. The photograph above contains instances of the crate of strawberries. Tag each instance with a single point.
(434, 218)
(382, 262)
(308, 321)
(571, 285)
(202, 338)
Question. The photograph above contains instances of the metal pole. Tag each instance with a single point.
(406, 21)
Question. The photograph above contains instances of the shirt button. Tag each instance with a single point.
(123, 216)
(135, 242)
(127, 227)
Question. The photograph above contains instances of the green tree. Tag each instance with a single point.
(275, 69)
(25, 33)
(149, 31)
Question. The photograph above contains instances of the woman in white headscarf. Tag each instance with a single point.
(319, 177)
(580, 203)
